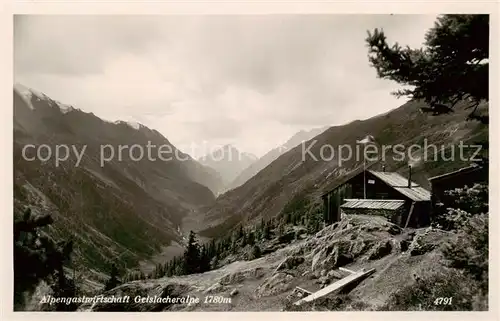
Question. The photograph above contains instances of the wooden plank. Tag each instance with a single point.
(335, 286)
(346, 270)
(303, 290)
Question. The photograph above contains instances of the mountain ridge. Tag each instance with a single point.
(122, 212)
(229, 162)
(265, 194)
(273, 154)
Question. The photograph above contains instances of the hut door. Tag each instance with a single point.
(333, 208)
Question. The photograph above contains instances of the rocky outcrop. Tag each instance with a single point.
(278, 283)
(240, 276)
(265, 284)
(380, 250)
(352, 239)
(424, 241)
(290, 262)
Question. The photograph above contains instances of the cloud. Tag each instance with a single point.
(249, 80)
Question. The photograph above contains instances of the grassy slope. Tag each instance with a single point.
(262, 285)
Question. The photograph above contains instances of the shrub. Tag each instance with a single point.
(255, 253)
(465, 279)
(470, 250)
(422, 294)
(463, 203)
(473, 200)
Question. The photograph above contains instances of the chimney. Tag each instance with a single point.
(409, 176)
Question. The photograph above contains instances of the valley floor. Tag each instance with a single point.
(191, 222)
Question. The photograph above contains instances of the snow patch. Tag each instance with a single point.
(132, 124)
(25, 94)
(28, 93)
(368, 139)
(64, 108)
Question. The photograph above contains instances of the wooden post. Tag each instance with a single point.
(409, 214)
(364, 177)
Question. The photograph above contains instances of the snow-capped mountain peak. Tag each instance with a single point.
(25, 93)
(28, 93)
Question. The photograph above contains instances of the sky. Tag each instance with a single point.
(250, 81)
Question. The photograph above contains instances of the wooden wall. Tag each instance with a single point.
(354, 188)
(333, 200)
(375, 189)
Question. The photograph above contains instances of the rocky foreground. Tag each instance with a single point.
(269, 283)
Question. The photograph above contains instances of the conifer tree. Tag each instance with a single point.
(192, 255)
(250, 238)
(256, 252)
(114, 280)
(452, 66)
(241, 232)
(281, 228)
(204, 259)
(267, 231)
(38, 258)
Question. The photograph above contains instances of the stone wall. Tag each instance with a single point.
(394, 216)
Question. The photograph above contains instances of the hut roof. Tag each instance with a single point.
(400, 184)
(393, 179)
(460, 171)
(396, 181)
(348, 177)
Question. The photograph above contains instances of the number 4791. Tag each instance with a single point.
(443, 301)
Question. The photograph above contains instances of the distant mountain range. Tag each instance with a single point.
(273, 154)
(229, 162)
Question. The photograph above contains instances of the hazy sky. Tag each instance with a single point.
(252, 81)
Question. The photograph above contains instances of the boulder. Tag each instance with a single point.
(278, 283)
(290, 263)
(335, 274)
(215, 288)
(380, 250)
(421, 244)
(240, 276)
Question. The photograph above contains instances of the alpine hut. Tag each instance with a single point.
(387, 194)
